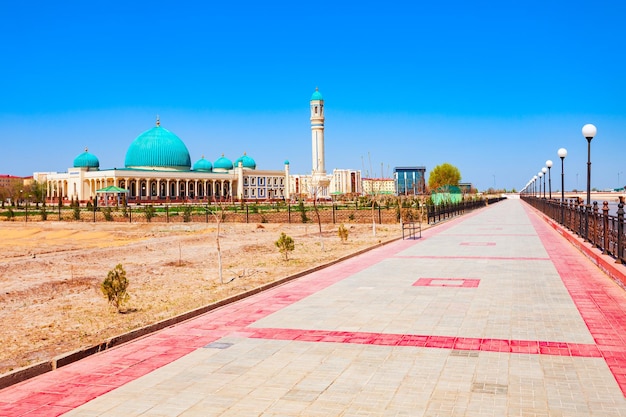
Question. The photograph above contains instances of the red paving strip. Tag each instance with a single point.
(447, 282)
(430, 341)
(600, 301)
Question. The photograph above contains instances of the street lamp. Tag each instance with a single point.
(562, 154)
(589, 131)
(540, 175)
(544, 170)
(549, 165)
(535, 186)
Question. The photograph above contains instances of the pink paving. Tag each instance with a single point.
(594, 295)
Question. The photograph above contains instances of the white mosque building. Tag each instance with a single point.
(157, 169)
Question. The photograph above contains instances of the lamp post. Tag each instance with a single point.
(562, 154)
(544, 170)
(589, 131)
(535, 186)
(549, 165)
(540, 175)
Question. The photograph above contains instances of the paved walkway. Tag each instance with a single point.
(491, 314)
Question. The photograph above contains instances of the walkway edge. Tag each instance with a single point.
(31, 371)
(606, 264)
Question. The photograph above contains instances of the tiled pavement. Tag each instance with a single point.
(490, 314)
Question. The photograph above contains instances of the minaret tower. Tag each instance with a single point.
(317, 133)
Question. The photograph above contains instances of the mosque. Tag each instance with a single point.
(158, 169)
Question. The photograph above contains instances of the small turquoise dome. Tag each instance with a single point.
(222, 164)
(158, 148)
(317, 95)
(246, 162)
(286, 162)
(86, 160)
(203, 165)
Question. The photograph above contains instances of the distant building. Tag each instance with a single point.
(466, 187)
(319, 184)
(373, 186)
(409, 180)
(7, 180)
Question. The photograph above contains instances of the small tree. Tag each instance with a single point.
(114, 287)
(285, 245)
(187, 214)
(149, 212)
(106, 212)
(343, 233)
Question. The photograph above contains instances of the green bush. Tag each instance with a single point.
(76, 212)
(115, 287)
(187, 213)
(107, 214)
(149, 212)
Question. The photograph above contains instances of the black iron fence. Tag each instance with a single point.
(408, 211)
(447, 210)
(592, 223)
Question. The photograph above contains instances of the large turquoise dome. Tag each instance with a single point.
(246, 162)
(158, 148)
(86, 160)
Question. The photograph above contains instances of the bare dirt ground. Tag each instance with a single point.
(51, 272)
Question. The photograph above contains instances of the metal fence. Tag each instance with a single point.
(247, 213)
(590, 222)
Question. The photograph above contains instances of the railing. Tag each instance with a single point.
(593, 224)
(446, 211)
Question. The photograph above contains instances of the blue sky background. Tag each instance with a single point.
(494, 88)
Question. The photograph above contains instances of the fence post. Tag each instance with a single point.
(594, 242)
(380, 219)
(605, 225)
(247, 214)
(334, 214)
(620, 230)
(288, 212)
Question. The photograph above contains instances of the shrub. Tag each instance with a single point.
(107, 214)
(10, 214)
(285, 245)
(44, 214)
(343, 233)
(150, 213)
(76, 212)
(187, 214)
(114, 287)
(302, 210)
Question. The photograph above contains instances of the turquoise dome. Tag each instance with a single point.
(86, 160)
(317, 95)
(246, 162)
(203, 165)
(158, 148)
(222, 164)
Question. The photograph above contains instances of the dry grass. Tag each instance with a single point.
(51, 273)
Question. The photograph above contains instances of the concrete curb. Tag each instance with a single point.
(31, 371)
(608, 265)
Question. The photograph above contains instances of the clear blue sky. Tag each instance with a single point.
(493, 87)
